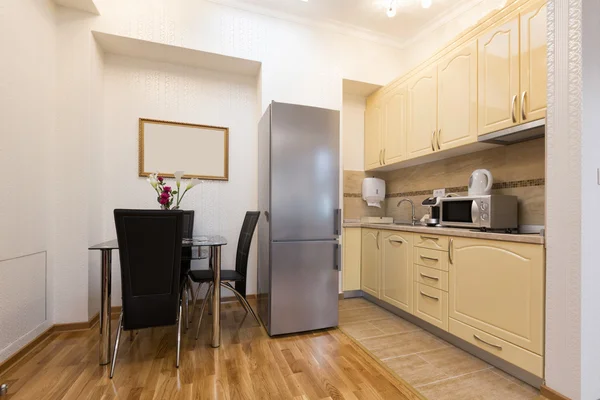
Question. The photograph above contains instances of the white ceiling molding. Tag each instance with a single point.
(81, 5)
(458, 8)
(153, 51)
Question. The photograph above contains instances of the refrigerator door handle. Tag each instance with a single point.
(338, 257)
(338, 221)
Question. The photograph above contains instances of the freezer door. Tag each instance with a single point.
(304, 286)
(304, 172)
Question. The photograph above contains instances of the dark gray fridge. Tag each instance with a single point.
(298, 196)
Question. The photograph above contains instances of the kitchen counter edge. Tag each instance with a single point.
(505, 237)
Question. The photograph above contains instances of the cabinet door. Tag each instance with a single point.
(397, 270)
(372, 134)
(498, 287)
(369, 280)
(394, 127)
(533, 63)
(457, 98)
(351, 260)
(422, 113)
(498, 76)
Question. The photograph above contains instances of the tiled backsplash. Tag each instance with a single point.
(518, 170)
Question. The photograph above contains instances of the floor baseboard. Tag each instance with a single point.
(552, 394)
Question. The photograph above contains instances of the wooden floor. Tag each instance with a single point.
(248, 365)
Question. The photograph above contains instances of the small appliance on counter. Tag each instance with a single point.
(434, 210)
(373, 191)
(480, 183)
(493, 212)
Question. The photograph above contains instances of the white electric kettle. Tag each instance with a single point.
(480, 183)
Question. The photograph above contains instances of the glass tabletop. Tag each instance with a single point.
(196, 241)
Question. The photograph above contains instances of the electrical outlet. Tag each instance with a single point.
(439, 192)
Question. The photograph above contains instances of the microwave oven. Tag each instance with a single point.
(492, 211)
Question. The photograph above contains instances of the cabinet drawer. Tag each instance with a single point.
(513, 354)
(431, 305)
(431, 277)
(433, 242)
(430, 258)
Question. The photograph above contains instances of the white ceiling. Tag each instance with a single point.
(364, 16)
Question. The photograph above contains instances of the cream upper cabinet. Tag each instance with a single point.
(498, 76)
(422, 113)
(373, 126)
(371, 244)
(533, 63)
(498, 288)
(457, 98)
(351, 259)
(397, 270)
(394, 127)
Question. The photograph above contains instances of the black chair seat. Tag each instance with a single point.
(206, 275)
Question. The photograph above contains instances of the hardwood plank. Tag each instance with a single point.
(248, 365)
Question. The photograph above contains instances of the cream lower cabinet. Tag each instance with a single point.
(351, 259)
(498, 288)
(370, 260)
(397, 270)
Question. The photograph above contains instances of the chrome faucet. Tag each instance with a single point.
(412, 206)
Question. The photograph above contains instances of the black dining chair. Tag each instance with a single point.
(186, 261)
(150, 244)
(237, 275)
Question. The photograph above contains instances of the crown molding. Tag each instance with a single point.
(353, 30)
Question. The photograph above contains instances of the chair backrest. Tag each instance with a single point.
(243, 247)
(188, 223)
(150, 254)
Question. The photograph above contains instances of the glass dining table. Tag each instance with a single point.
(213, 242)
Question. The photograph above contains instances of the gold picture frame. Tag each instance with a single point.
(198, 152)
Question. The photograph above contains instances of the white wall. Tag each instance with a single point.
(353, 131)
(27, 113)
(135, 88)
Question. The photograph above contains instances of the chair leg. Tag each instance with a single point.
(179, 334)
(116, 350)
(186, 308)
(195, 299)
(241, 299)
(208, 293)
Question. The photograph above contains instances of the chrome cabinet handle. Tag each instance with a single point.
(496, 346)
(514, 101)
(383, 157)
(429, 277)
(396, 241)
(431, 297)
(429, 237)
(523, 115)
(432, 137)
(438, 139)
(377, 240)
(450, 244)
(430, 258)
(379, 156)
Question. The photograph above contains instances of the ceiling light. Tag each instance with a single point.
(391, 10)
(425, 3)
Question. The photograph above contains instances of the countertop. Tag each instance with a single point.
(460, 232)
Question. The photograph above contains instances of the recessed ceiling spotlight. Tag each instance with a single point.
(391, 10)
(425, 3)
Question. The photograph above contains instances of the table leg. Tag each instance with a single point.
(216, 298)
(105, 308)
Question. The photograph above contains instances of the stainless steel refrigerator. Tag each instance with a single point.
(298, 194)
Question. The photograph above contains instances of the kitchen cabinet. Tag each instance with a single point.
(351, 259)
(431, 305)
(397, 270)
(373, 124)
(499, 77)
(422, 112)
(498, 288)
(370, 260)
(394, 127)
(533, 62)
(457, 98)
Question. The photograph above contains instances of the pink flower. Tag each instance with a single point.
(160, 178)
(167, 189)
(164, 195)
(163, 200)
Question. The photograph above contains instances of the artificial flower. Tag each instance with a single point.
(178, 176)
(193, 182)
